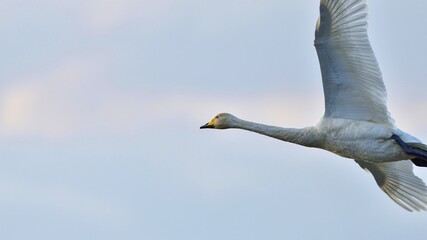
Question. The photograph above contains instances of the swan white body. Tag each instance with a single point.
(356, 123)
(364, 141)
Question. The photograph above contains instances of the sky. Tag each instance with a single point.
(101, 103)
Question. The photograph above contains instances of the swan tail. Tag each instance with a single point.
(416, 149)
(419, 162)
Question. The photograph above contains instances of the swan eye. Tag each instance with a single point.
(216, 116)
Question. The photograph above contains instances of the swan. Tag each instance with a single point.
(356, 123)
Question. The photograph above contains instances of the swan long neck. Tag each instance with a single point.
(301, 136)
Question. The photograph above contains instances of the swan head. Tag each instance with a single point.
(221, 121)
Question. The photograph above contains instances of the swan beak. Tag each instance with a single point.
(206, 126)
(210, 124)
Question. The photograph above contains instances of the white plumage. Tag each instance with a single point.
(352, 80)
(356, 123)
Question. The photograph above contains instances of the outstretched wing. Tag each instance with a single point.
(352, 80)
(398, 181)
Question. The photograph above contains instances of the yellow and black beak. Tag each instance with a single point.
(206, 126)
(210, 124)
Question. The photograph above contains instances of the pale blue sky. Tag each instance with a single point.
(100, 104)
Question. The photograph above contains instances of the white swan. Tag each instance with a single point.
(356, 123)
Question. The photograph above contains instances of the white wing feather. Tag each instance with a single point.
(352, 80)
(398, 181)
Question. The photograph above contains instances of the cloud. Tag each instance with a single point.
(49, 103)
(19, 193)
(101, 16)
(96, 15)
(8, 8)
(106, 15)
(78, 96)
(215, 178)
(75, 97)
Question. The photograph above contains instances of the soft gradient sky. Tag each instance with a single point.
(101, 103)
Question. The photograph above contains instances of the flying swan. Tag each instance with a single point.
(356, 123)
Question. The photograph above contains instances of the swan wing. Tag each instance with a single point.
(398, 181)
(409, 139)
(352, 80)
